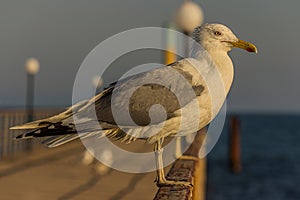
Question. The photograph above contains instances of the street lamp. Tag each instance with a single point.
(97, 83)
(188, 16)
(32, 67)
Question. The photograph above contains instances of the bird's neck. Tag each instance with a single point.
(225, 67)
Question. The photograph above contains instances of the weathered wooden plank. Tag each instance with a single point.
(234, 154)
(192, 170)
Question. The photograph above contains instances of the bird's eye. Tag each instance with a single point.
(217, 33)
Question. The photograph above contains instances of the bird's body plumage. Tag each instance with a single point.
(142, 98)
(210, 65)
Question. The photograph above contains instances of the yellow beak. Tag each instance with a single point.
(244, 45)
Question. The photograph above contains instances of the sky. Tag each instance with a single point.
(60, 34)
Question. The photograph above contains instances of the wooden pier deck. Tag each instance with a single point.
(59, 174)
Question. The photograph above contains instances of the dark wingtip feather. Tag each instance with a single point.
(25, 136)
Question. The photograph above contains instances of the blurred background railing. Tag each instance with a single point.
(10, 117)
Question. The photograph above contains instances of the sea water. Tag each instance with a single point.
(270, 147)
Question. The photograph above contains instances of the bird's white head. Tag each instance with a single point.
(217, 37)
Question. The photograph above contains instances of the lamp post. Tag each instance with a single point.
(97, 83)
(32, 67)
(188, 16)
(170, 45)
(106, 155)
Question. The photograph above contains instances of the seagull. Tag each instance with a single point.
(146, 122)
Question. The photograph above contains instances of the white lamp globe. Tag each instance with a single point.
(189, 16)
(97, 81)
(32, 66)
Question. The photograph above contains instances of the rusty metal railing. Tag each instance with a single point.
(10, 117)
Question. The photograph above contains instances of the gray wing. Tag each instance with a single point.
(128, 102)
